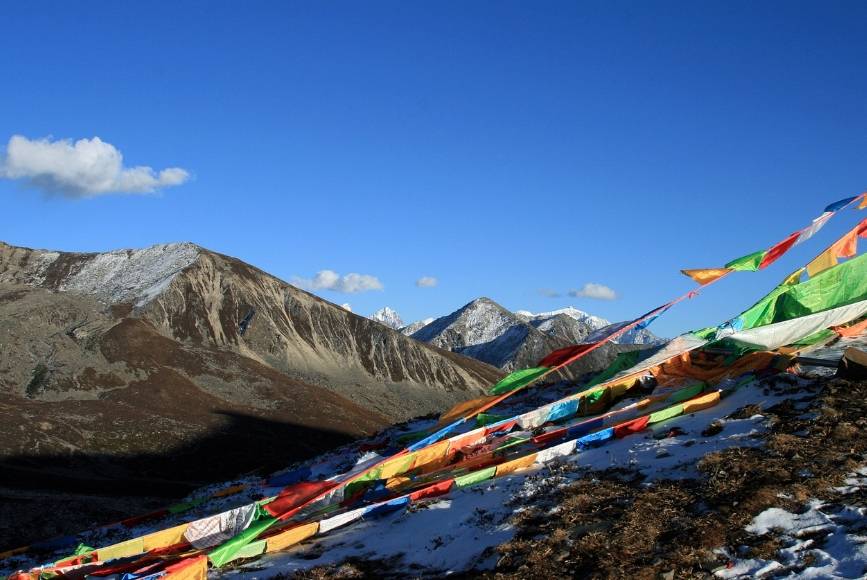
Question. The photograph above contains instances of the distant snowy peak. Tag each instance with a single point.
(484, 330)
(478, 322)
(569, 311)
(632, 336)
(388, 317)
(592, 328)
(410, 329)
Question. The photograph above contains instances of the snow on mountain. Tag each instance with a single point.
(388, 317)
(486, 331)
(593, 328)
(490, 333)
(410, 329)
(569, 311)
(632, 336)
(121, 276)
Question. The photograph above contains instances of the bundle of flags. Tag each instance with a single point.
(764, 258)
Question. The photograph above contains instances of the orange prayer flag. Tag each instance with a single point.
(853, 330)
(863, 201)
(515, 464)
(845, 247)
(463, 408)
(189, 569)
(706, 275)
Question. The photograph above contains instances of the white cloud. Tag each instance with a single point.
(346, 306)
(596, 291)
(85, 168)
(549, 293)
(331, 280)
(426, 282)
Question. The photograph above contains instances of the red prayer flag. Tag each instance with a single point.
(775, 252)
(561, 355)
(550, 436)
(295, 495)
(434, 490)
(631, 427)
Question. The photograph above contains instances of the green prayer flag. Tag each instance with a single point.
(686, 393)
(476, 476)
(621, 362)
(518, 379)
(837, 286)
(364, 481)
(664, 414)
(483, 419)
(82, 549)
(594, 397)
(252, 550)
(228, 550)
(748, 263)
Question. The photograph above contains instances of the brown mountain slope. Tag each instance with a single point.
(175, 363)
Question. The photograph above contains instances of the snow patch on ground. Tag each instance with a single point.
(825, 541)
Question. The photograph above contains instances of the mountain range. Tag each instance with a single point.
(488, 332)
(177, 360)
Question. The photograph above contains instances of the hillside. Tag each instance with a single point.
(172, 362)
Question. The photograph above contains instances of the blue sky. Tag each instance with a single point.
(501, 147)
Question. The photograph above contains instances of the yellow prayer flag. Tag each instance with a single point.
(396, 466)
(700, 403)
(291, 537)
(825, 260)
(164, 538)
(794, 277)
(432, 453)
(131, 547)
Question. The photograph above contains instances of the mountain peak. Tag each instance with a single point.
(119, 276)
(388, 317)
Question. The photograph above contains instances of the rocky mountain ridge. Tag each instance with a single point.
(134, 352)
(485, 330)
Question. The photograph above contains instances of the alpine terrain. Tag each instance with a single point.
(162, 368)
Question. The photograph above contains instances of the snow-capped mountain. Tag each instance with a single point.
(388, 317)
(490, 333)
(411, 329)
(589, 328)
(570, 311)
(631, 336)
(486, 331)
